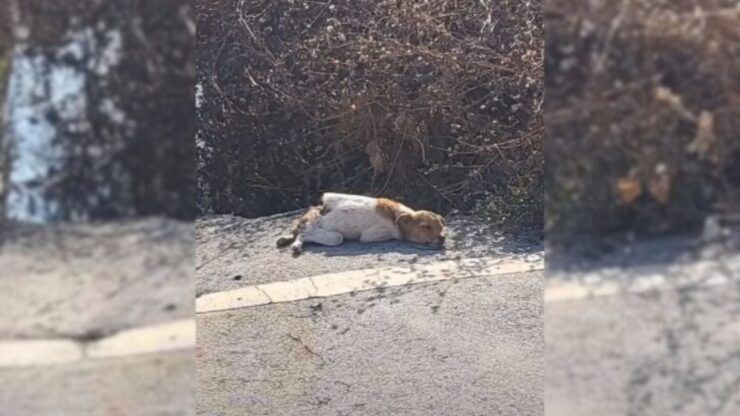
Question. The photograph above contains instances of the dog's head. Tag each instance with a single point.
(424, 227)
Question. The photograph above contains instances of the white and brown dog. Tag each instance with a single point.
(354, 217)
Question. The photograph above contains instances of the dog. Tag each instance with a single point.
(342, 217)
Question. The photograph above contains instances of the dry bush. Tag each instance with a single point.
(642, 115)
(435, 102)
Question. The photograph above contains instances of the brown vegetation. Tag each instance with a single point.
(436, 103)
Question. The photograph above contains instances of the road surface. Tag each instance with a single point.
(419, 333)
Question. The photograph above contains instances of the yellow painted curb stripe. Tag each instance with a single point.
(147, 340)
(38, 352)
(165, 337)
(333, 284)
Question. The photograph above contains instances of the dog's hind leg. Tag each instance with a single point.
(323, 237)
(295, 241)
(313, 234)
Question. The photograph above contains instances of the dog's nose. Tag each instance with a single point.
(441, 240)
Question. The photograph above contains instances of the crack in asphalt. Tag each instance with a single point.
(305, 347)
(315, 288)
(265, 293)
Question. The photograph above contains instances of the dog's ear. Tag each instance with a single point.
(441, 219)
(404, 218)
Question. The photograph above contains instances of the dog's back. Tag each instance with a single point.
(333, 200)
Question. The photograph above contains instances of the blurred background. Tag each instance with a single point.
(96, 187)
(97, 114)
(642, 117)
(642, 193)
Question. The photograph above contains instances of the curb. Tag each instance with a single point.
(172, 336)
(334, 284)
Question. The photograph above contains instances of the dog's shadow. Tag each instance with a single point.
(354, 248)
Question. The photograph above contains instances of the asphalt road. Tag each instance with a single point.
(233, 252)
(473, 346)
(459, 347)
(463, 346)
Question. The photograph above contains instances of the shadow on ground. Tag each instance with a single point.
(235, 252)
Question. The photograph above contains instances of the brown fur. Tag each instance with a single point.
(388, 208)
(300, 224)
(310, 215)
(419, 226)
(422, 227)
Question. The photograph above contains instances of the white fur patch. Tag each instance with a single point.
(350, 217)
